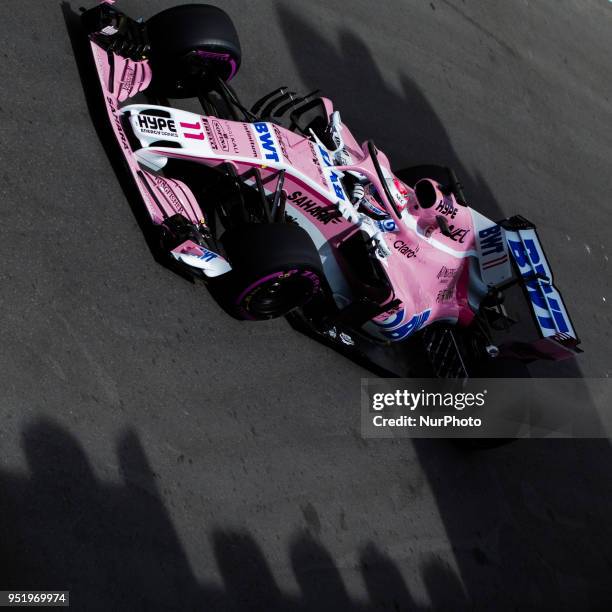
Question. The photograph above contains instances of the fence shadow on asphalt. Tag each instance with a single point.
(521, 520)
(113, 545)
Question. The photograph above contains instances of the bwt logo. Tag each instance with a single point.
(325, 156)
(265, 138)
(333, 177)
(395, 330)
(156, 123)
(491, 240)
(207, 255)
(544, 297)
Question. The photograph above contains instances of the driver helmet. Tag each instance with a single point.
(372, 204)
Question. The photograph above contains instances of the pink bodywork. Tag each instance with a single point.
(429, 272)
(162, 196)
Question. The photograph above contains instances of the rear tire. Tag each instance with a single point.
(275, 268)
(192, 45)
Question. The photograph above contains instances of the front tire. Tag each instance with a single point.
(275, 269)
(191, 46)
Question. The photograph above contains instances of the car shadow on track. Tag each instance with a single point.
(521, 520)
(114, 546)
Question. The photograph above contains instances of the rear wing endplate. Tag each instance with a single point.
(547, 306)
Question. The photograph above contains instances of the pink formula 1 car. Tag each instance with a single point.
(282, 211)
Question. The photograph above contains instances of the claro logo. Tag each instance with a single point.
(406, 250)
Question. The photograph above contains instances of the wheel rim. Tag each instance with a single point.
(275, 296)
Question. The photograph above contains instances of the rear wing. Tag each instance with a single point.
(558, 336)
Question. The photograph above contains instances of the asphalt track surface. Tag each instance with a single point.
(157, 454)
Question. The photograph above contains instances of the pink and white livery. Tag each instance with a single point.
(283, 211)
